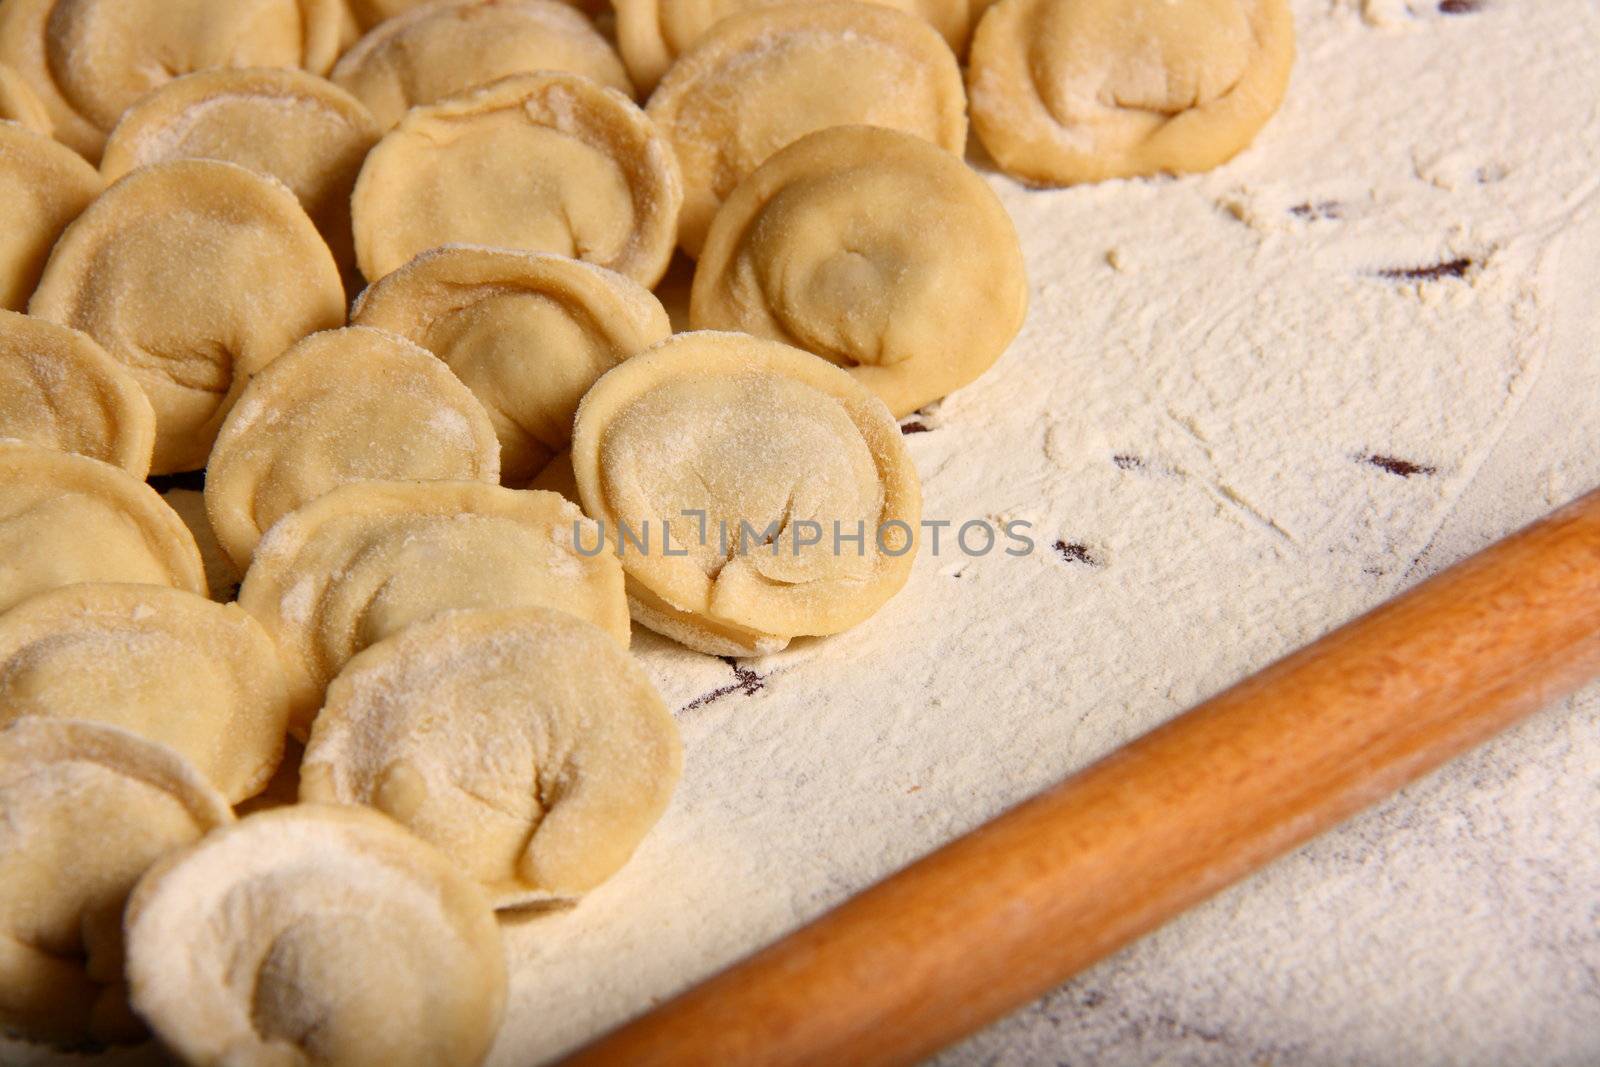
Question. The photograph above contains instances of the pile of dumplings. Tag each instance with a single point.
(278, 742)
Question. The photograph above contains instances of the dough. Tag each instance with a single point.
(84, 809)
(170, 666)
(370, 558)
(315, 935)
(548, 162)
(195, 274)
(286, 124)
(771, 444)
(1068, 91)
(59, 389)
(524, 743)
(760, 80)
(529, 332)
(44, 186)
(20, 104)
(875, 250)
(368, 13)
(653, 33)
(67, 518)
(222, 574)
(89, 60)
(342, 406)
(440, 49)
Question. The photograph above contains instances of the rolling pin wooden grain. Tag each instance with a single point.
(999, 916)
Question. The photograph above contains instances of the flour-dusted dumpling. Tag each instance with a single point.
(761, 80)
(293, 126)
(44, 186)
(347, 405)
(370, 558)
(20, 104)
(1068, 91)
(85, 808)
(171, 666)
(529, 332)
(59, 389)
(791, 501)
(314, 935)
(67, 518)
(90, 60)
(524, 743)
(449, 46)
(653, 33)
(545, 162)
(877, 251)
(194, 274)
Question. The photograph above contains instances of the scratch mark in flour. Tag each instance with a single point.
(1213, 485)
(745, 681)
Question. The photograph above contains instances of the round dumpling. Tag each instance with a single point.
(529, 332)
(90, 60)
(171, 666)
(368, 559)
(760, 80)
(59, 389)
(545, 162)
(347, 405)
(1068, 91)
(753, 492)
(85, 808)
(449, 46)
(524, 743)
(315, 935)
(20, 104)
(309, 134)
(44, 186)
(67, 519)
(194, 274)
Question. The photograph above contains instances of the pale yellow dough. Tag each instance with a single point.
(1067, 91)
(44, 186)
(195, 274)
(651, 34)
(88, 61)
(287, 124)
(85, 808)
(368, 559)
(355, 404)
(758, 81)
(170, 666)
(769, 444)
(67, 518)
(524, 743)
(449, 46)
(546, 162)
(319, 937)
(59, 389)
(20, 104)
(874, 249)
(529, 332)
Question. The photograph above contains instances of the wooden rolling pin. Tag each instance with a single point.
(999, 916)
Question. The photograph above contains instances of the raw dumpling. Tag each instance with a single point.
(194, 274)
(347, 405)
(85, 808)
(222, 574)
(447, 47)
(877, 251)
(545, 162)
(20, 104)
(170, 666)
(370, 558)
(287, 124)
(759, 81)
(67, 518)
(524, 743)
(529, 332)
(312, 935)
(89, 60)
(44, 186)
(59, 389)
(1070, 91)
(791, 502)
